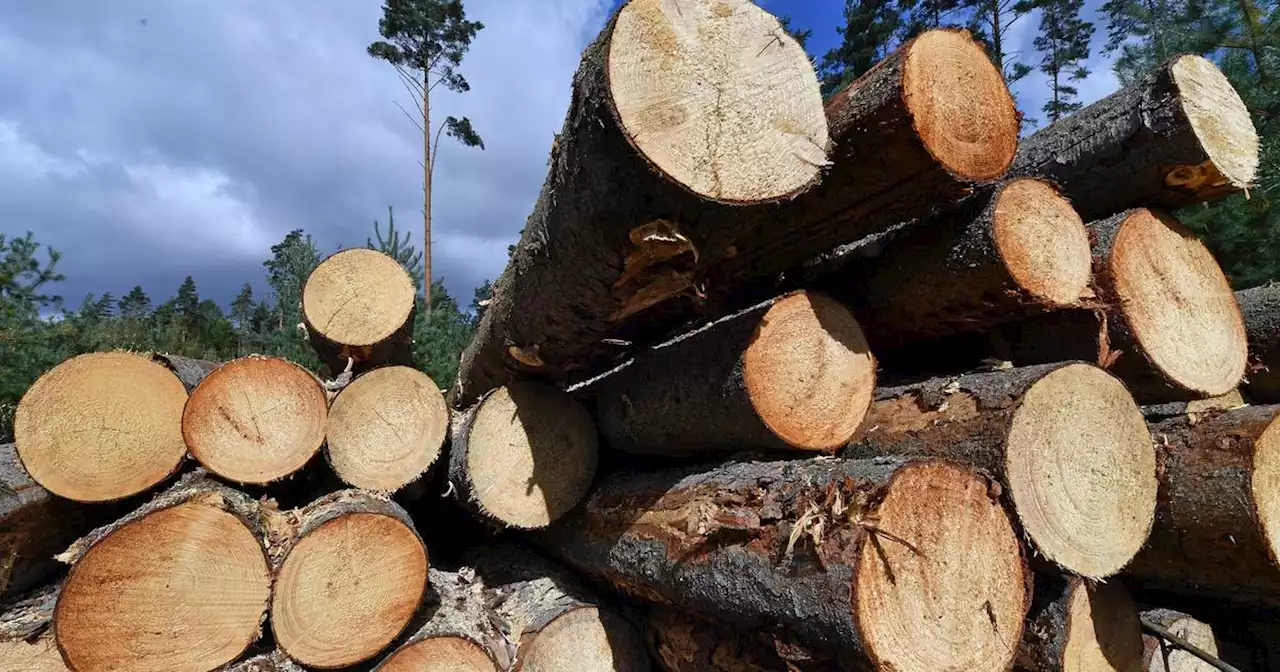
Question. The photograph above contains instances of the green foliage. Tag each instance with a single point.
(800, 36)
(397, 247)
(440, 335)
(871, 30)
(1064, 43)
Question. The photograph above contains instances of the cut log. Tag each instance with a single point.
(1161, 656)
(180, 585)
(1077, 626)
(189, 371)
(1015, 250)
(792, 373)
(460, 635)
(1171, 315)
(524, 455)
(386, 428)
(557, 624)
(358, 305)
(26, 635)
(1217, 528)
(682, 642)
(1194, 409)
(1178, 136)
(351, 583)
(611, 238)
(1261, 309)
(256, 419)
(1066, 440)
(904, 565)
(101, 427)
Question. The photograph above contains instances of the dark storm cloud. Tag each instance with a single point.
(149, 139)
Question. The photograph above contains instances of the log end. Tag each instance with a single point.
(386, 428)
(944, 584)
(41, 655)
(1178, 304)
(1043, 243)
(347, 589)
(1081, 469)
(1264, 485)
(255, 419)
(101, 427)
(358, 298)
(1160, 656)
(531, 453)
(183, 588)
(960, 105)
(809, 372)
(586, 638)
(718, 97)
(1103, 630)
(453, 654)
(1220, 121)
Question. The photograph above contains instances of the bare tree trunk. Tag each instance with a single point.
(427, 167)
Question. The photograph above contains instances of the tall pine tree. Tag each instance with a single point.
(871, 30)
(1063, 43)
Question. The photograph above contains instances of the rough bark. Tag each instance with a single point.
(577, 277)
(681, 642)
(458, 609)
(729, 543)
(1207, 540)
(1135, 147)
(34, 526)
(1261, 309)
(189, 371)
(276, 661)
(941, 275)
(1193, 409)
(26, 633)
(1107, 636)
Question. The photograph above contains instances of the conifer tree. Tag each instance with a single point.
(1063, 43)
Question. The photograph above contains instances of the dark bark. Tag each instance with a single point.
(1110, 638)
(715, 542)
(26, 633)
(1045, 637)
(396, 349)
(457, 608)
(934, 277)
(682, 642)
(1194, 408)
(189, 371)
(562, 291)
(1261, 309)
(1207, 541)
(1118, 152)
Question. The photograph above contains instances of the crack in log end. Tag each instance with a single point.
(659, 266)
(1204, 176)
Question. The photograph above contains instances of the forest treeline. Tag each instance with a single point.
(37, 330)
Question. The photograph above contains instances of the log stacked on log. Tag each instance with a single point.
(1161, 655)
(1261, 309)
(1077, 626)
(358, 307)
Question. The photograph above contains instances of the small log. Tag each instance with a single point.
(386, 428)
(101, 427)
(1171, 318)
(1067, 442)
(905, 565)
(256, 419)
(26, 635)
(681, 642)
(1217, 528)
(523, 455)
(621, 231)
(1261, 309)
(1077, 626)
(358, 307)
(189, 371)
(180, 584)
(1179, 135)
(556, 623)
(1015, 250)
(1161, 656)
(460, 634)
(792, 373)
(350, 583)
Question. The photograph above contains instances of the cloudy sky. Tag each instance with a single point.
(151, 139)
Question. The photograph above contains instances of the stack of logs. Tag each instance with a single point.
(770, 383)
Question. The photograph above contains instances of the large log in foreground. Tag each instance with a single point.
(461, 634)
(101, 427)
(621, 227)
(792, 373)
(906, 565)
(351, 582)
(1015, 250)
(1067, 441)
(1077, 626)
(256, 419)
(1217, 529)
(386, 428)
(180, 584)
(1171, 317)
(524, 455)
(1178, 136)
(1261, 309)
(358, 308)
